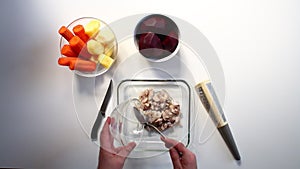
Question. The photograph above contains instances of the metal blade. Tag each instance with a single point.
(139, 116)
(101, 113)
(143, 121)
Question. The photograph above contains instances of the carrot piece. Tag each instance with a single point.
(65, 61)
(76, 44)
(66, 33)
(79, 46)
(79, 31)
(77, 64)
(67, 51)
(82, 65)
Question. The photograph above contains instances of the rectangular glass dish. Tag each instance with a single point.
(179, 91)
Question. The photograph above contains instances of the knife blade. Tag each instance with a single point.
(101, 113)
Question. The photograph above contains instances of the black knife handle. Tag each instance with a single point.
(228, 138)
(95, 129)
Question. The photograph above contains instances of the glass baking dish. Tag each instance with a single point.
(180, 92)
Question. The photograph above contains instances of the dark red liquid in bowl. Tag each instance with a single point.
(156, 36)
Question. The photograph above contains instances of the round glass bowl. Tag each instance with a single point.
(124, 126)
(156, 37)
(99, 45)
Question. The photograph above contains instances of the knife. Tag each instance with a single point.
(101, 113)
(213, 107)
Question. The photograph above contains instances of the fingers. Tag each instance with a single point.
(181, 148)
(180, 155)
(105, 129)
(125, 150)
(169, 143)
(106, 139)
(111, 121)
(175, 158)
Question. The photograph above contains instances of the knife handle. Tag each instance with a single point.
(95, 129)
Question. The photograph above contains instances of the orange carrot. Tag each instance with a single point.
(76, 44)
(79, 46)
(77, 64)
(66, 33)
(83, 65)
(67, 51)
(65, 61)
(79, 31)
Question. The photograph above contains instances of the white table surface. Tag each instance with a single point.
(257, 45)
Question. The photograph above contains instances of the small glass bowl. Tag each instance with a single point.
(124, 126)
(113, 45)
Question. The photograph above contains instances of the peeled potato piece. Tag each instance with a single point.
(105, 36)
(94, 47)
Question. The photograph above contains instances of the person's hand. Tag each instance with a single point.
(109, 156)
(182, 158)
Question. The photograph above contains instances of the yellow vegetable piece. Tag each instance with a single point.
(108, 51)
(92, 28)
(105, 61)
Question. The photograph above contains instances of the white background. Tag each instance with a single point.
(257, 43)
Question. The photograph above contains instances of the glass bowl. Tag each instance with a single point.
(109, 48)
(127, 128)
(124, 126)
